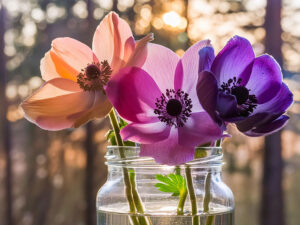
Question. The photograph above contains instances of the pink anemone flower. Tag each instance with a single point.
(161, 105)
(75, 75)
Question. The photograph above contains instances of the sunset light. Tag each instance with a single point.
(172, 19)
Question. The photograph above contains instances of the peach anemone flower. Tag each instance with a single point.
(75, 75)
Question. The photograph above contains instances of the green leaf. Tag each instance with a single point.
(110, 135)
(200, 153)
(129, 143)
(122, 123)
(208, 144)
(171, 183)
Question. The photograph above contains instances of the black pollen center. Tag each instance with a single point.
(174, 107)
(241, 93)
(92, 71)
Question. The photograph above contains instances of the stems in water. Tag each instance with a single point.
(134, 201)
(210, 219)
(138, 202)
(181, 202)
(182, 195)
(207, 195)
(192, 195)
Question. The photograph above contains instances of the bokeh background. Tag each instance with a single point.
(52, 177)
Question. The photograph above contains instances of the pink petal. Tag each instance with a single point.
(66, 58)
(145, 133)
(113, 41)
(178, 75)
(48, 69)
(139, 55)
(199, 129)
(101, 107)
(190, 63)
(133, 93)
(190, 67)
(168, 151)
(57, 104)
(161, 65)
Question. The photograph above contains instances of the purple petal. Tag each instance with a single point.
(168, 151)
(145, 133)
(206, 58)
(207, 92)
(271, 110)
(133, 93)
(266, 78)
(252, 121)
(227, 106)
(234, 60)
(279, 104)
(190, 65)
(269, 128)
(199, 129)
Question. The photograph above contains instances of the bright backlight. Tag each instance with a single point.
(172, 19)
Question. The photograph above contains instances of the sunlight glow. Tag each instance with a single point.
(80, 10)
(54, 12)
(172, 19)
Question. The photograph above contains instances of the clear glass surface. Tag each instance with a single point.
(161, 207)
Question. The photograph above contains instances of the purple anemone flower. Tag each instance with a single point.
(236, 87)
(160, 104)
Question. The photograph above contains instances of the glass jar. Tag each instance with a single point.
(208, 201)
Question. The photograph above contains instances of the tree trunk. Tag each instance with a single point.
(272, 211)
(4, 123)
(89, 144)
(115, 6)
(89, 180)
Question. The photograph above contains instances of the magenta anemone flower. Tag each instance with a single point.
(236, 87)
(161, 105)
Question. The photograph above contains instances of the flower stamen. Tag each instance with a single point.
(94, 76)
(246, 102)
(174, 107)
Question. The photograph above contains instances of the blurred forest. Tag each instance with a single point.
(52, 177)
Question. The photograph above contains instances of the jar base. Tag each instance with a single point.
(108, 218)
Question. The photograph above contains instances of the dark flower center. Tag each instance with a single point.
(241, 93)
(94, 76)
(174, 107)
(246, 102)
(92, 71)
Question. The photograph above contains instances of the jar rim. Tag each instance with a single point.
(204, 157)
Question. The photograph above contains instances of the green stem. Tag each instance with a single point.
(133, 197)
(128, 192)
(182, 195)
(192, 195)
(116, 128)
(218, 143)
(181, 202)
(138, 202)
(210, 220)
(177, 170)
(207, 196)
